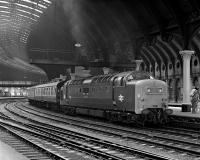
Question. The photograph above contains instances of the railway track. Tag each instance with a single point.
(185, 122)
(31, 145)
(42, 142)
(22, 147)
(96, 147)
(116, 128)
(137, 137)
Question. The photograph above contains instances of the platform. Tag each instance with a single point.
(177, 111)
(4, 98)
(9, 153)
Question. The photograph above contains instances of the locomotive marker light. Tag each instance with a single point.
(120, 98)
(146, 111)
(169, 111)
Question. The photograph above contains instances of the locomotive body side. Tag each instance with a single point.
(97, 96)
(124, 97)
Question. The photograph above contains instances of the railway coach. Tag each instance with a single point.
(128, 96)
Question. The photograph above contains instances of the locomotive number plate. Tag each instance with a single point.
(155, 106)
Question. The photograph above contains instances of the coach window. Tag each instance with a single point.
(51, 90)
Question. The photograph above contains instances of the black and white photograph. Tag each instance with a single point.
(99, 79)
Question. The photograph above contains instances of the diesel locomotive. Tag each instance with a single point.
(132, 96)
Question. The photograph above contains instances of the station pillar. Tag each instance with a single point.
(186, 55)
(138, 63)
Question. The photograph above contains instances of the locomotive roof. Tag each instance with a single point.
(121, 74)
(46, 85)
(106, 77)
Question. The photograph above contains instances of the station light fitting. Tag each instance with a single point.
(78, 45)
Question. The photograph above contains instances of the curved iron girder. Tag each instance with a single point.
(163, 54)
(196, 44)
(145, 61)
(149, 55)
(161, 58)
(163, 51)
(152, 51)
(145, 57)
(149, 58)
(169, 49)
(177, 47)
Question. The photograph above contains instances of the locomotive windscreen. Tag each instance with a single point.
(139, 76)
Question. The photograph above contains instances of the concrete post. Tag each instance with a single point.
(186, 55)
(138, 63)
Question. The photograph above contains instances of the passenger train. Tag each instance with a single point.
(131, 96)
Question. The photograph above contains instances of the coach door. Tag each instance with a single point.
(120, 93)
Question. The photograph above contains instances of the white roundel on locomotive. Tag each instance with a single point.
(121, 98)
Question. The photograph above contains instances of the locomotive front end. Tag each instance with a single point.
(151, 100)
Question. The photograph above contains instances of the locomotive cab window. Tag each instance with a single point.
(138, 76)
